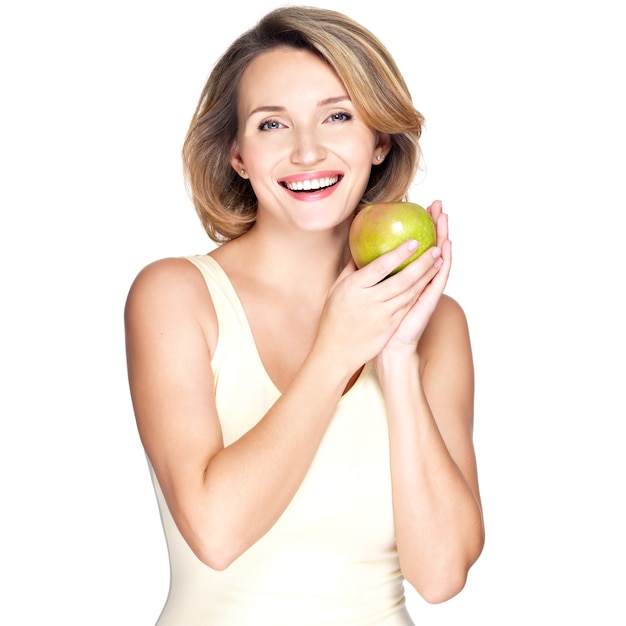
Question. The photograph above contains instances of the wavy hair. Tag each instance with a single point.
(225, 202)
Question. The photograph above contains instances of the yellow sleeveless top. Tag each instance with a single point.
(331, 558)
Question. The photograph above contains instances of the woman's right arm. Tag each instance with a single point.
(222, 499)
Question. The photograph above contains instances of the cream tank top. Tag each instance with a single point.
(331, 559)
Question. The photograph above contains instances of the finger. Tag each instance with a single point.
(442, 229)
(435, 210)
(408, 284)
(384, 265)
(437, 284)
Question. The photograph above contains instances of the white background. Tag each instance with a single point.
(525, 145)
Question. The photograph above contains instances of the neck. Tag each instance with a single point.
(300, 261)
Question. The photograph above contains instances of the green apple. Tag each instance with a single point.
(381, 227)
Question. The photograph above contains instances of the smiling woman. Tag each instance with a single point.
(290, 144)
(308, 425)
(225, 203)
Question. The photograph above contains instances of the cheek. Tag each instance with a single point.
(359, 147)
(259, 156)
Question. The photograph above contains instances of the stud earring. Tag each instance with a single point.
(379, 157)
(242, 171)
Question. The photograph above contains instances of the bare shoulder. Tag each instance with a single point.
(169, 281)
(447, 324)
(449, 316)
(450, 309)
(165, 277)
(168, 291)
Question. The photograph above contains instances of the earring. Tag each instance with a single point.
(242, 171)
(379, 157)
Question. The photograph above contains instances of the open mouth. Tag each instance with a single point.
(314, 184)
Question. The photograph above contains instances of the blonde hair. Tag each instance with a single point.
(224, 201)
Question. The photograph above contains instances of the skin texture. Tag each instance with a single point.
(316, 320)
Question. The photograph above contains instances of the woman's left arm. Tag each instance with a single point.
(429, 395)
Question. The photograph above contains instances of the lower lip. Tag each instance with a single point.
(312, 196)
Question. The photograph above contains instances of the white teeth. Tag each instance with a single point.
(316, 183)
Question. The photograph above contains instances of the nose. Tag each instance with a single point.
(307, 147)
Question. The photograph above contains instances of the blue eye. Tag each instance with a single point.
(341, 116)
(270, 125)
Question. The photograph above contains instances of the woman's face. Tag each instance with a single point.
(303, 145)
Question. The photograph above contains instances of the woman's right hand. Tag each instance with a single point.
(365, 306)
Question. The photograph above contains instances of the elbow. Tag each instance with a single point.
(216, 539)
(441, 589)
(442, 582)
(215, 550)
(219, 555)
(214, 559)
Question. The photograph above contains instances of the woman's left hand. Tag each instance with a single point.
(432, 269)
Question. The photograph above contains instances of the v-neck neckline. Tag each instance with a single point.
(241, 311)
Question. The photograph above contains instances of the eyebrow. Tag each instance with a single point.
(277, 109)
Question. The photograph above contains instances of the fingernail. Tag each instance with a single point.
(436, 252)
(412, 245)
(438, 262)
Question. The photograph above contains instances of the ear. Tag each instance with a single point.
(237, 162)
(381, 149)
